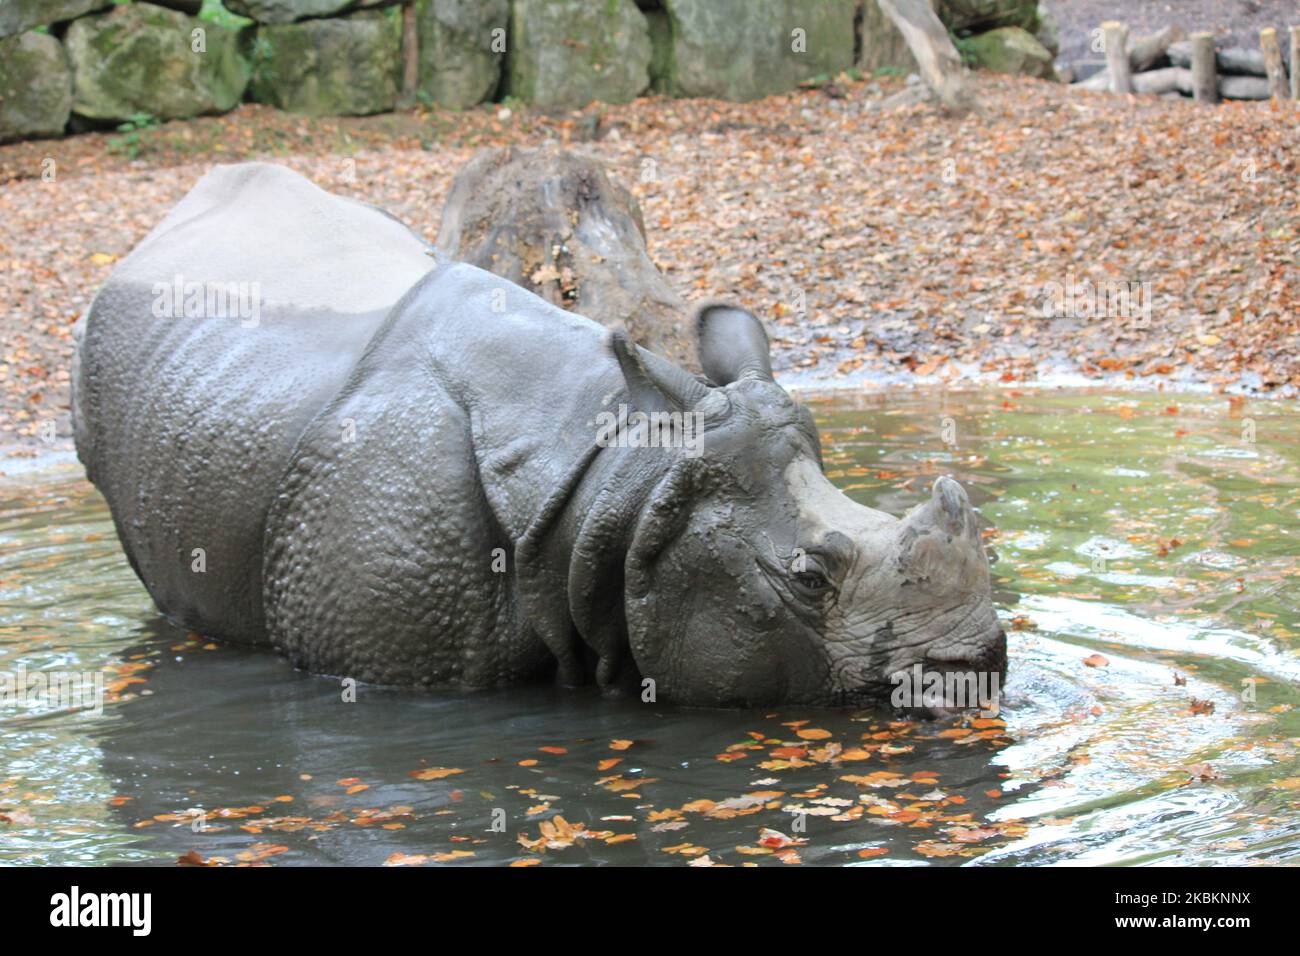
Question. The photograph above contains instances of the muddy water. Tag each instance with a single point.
(1151, 536)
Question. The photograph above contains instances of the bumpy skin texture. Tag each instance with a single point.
(397, 475)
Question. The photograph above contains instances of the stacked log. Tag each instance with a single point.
(1165, 64)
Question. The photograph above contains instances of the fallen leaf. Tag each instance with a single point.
(434, 773)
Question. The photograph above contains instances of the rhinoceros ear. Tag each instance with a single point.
(653, 383)
(732, 344)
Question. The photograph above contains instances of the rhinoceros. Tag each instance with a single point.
(317, 436)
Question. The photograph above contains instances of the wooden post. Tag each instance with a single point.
(1295, 63)
(936, 58)
(1115, 37)
(1273, 67)
(410, 55)
(1205, 78)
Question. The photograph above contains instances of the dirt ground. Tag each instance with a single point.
(881, 245)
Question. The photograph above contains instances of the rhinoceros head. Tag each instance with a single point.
(752, 580)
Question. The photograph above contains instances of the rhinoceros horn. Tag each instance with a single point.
(940, 540)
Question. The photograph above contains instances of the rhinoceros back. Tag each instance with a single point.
(204, 357)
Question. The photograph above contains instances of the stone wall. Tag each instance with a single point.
(88, 63)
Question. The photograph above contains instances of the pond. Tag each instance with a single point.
(1146, 572)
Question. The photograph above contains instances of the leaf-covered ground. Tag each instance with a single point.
(881, 244)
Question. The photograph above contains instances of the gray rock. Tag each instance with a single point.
(339, 67)
(35, 87)
(287, 11)
(16, 16)
(139, 58)
(747, 49)
(459, 66)
(566, 53)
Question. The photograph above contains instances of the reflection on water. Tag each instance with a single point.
(1143, 534)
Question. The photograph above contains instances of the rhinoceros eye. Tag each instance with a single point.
(811, 583)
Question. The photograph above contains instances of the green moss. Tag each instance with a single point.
(214, 12)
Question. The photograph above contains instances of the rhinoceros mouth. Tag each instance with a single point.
(949, 688)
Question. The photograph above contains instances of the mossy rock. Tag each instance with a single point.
(1009, 50)
(978, 16)
(459, 66)
(566, 53)
(35, 87)
(141, 58)
(339, 67)
(747, 49)
(18, 16)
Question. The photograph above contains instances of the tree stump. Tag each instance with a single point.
(552, 222)
(1115, 38)
(1205, 80)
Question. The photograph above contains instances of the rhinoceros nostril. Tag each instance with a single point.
(985, 655)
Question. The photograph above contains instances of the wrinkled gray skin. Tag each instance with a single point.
(350, 465)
